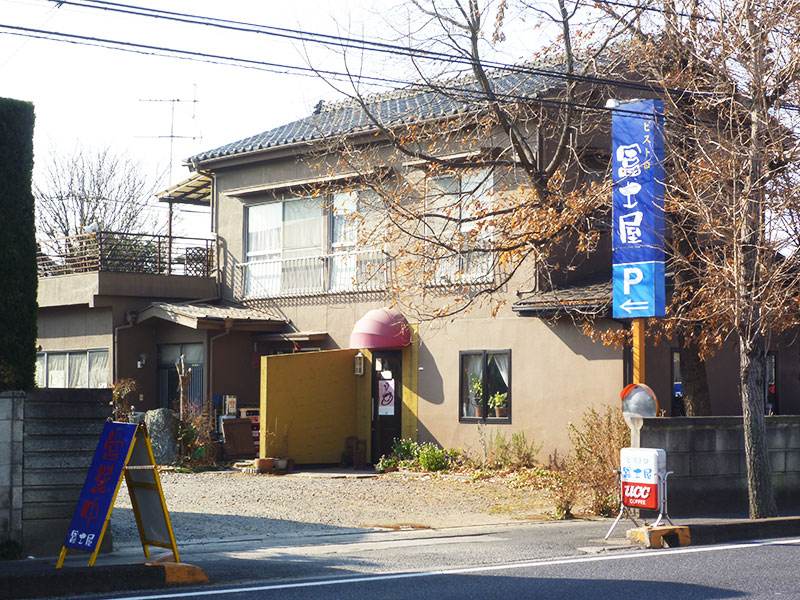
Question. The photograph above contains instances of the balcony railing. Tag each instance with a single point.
(126, 253)
(340, 272)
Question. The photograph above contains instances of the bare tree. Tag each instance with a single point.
(729, 74)
(83, 187)
(495, 182)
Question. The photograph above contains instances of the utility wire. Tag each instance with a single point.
(473, 93)
(367, 45)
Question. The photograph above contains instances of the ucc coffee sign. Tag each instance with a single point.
(642, 471)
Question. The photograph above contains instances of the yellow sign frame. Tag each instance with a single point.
(142, 480)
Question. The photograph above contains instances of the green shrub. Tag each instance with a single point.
(405, 449)
(517, 454)
(18, 269)
(523, 454)
(565, 490)
(386, 463)
(433, 458)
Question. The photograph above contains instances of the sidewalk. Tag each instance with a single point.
(127, 570)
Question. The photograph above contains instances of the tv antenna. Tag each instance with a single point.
(172, 136)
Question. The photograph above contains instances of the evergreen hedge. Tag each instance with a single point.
(18, 274)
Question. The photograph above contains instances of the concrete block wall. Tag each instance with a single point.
(706, 455)
(62, 427)
(12, 409)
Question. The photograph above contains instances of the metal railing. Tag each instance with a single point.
(339, 272)
(126, 253)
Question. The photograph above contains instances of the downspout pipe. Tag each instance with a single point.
(228, 329)
(130, 317)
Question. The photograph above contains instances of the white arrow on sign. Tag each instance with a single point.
(629, 306)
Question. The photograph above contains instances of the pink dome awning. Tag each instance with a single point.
(380, 329)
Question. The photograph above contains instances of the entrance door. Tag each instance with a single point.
(387, 393)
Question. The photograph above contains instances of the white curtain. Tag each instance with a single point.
(501, 362)
(344, 230)
(41, 370)
(98, 369)
(57, 370)
(78, 371)
(471, 374)
(264, 230)
(302, 227)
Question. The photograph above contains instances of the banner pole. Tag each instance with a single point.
(638, 349)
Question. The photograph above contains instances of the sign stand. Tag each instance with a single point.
(662, 504)
(118, 452)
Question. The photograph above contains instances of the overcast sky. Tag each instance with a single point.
(95, 97)
(91, 96)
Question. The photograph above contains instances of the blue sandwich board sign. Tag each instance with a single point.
(123, 450)
(638, 210)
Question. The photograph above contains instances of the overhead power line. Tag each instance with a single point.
(324, 39)
(164, 51)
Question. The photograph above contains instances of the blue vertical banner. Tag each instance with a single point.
(638, 209)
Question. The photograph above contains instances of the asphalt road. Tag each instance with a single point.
(541, 560)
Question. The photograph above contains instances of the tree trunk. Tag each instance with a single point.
(752, 371)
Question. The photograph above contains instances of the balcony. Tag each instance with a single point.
(339, 272)
(106, 251)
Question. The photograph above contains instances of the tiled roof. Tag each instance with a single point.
(589, 297)
(215, 315)
(416, 103)
(210, 311)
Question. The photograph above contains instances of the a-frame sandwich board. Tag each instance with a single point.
(123, 448)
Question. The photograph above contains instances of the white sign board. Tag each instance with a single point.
(386, 399)
(641, 472)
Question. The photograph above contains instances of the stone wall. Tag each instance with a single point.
(12, 406)
(706, 455)
(61, 430)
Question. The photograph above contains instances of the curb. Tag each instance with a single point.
(88, 580)
(714, 533)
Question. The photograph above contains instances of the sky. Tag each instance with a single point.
(160, 110)
(95, 97)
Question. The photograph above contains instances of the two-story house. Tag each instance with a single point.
(298, 311)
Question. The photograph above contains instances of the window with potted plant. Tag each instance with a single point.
(485, 386)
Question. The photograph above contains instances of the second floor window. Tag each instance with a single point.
(305, 246)
(455, 204)
(283, 247)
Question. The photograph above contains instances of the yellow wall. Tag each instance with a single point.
(308, 400)
(408, 420)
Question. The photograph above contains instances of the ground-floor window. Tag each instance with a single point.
(485, 386)
(72, 369)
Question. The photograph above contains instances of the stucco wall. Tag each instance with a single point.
(75, 328)
(556, 373)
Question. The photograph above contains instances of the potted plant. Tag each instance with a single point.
(476, 394)
(499, 402)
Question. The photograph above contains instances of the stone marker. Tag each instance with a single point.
(162, 426)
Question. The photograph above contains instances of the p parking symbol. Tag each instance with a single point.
(631, 276)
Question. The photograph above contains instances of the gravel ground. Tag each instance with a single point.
(234, 505)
